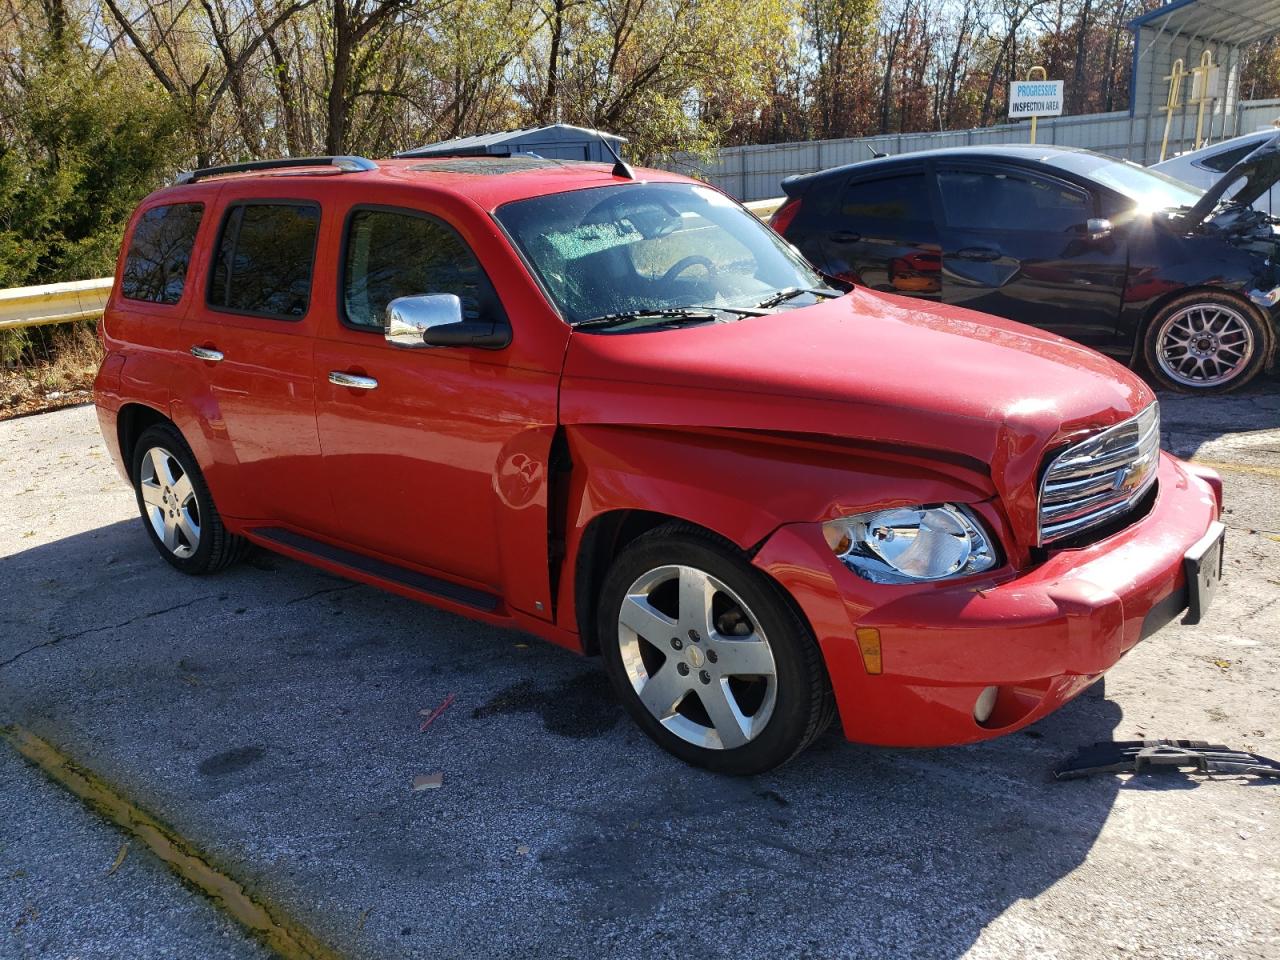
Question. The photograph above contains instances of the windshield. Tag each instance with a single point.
(650, 247)
(1149, 189)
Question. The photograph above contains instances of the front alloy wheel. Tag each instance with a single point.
(707, 654)
(1206, 342)
(696, 657)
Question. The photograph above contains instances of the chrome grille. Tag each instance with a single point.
(1101, 478)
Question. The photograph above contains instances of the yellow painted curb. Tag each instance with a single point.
(288, 939)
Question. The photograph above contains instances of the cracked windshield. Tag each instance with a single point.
(653, 247)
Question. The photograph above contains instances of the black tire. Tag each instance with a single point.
(1162, 359)
(214, 547)
(802, 705)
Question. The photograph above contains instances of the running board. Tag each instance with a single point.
(370, 566)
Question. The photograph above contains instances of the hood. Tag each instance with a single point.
(1259, 170)
(865, 367)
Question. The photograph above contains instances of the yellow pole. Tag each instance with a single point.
(1173, 102)
(1202, 78)
(1044, 75)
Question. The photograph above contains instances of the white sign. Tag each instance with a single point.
(1204, 83)
(1035, 98)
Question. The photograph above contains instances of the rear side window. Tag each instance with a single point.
(393, 254)
(998, 200)
(264, 259)
(1222, 162)
(893, 201)
(155, 268)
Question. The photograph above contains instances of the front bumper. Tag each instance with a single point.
(1040, 637)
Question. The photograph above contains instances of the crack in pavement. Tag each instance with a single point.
(159, 613)
(319, 593)
(1264, 606)
(114, 626)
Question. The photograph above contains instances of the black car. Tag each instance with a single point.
(1133, 263)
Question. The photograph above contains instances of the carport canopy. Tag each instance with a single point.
(1185, 29)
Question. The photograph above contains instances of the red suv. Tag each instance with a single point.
(616, 410)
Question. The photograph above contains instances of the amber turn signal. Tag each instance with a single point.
(869, 644)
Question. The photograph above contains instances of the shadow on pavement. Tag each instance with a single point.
(1191, 424)
(271, 715)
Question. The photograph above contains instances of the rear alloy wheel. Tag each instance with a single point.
(176, 505)
(169, 502)
(1206, 342)
(707, 656)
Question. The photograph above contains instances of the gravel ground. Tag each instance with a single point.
(270, 714)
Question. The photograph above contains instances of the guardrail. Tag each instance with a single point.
(85, 299)
(53, 303)
(764, 208)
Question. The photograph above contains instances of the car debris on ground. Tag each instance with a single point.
(430, 716)
(428, 781)
(1135, 756)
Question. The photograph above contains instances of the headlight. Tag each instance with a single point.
(912, 544)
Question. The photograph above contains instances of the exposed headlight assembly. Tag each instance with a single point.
(912, 544)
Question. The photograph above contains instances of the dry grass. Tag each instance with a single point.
(47, 367)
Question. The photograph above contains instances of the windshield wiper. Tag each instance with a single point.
(741, 311)
(623, 316)
(790, 293)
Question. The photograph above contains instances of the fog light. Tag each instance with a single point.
(869, 644)
(985, 703)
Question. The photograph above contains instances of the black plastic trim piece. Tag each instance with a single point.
(1164, 612)
(1202, 565)
(342, 164)
(380, 568)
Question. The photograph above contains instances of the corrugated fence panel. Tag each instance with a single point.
(1255, 114)
(755, 172)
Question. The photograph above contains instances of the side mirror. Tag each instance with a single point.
(1098, 228)
(435, 320)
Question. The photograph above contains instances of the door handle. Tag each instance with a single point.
(340, 378)
(846, 236)
(981, 254)
(204, 353)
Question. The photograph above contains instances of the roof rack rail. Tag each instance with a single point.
(343, 164)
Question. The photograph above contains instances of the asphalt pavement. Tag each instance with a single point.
(271, 716)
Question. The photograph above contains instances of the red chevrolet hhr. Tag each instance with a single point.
(614, 409)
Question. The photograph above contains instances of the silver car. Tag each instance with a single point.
(1204, 167)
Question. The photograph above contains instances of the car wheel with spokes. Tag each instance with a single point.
(707, 654)
(1207, 342)
(176, 507)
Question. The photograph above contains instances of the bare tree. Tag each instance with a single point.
(1013, 13)
(198, 76)
(356, 26)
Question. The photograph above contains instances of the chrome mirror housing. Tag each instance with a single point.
(409, 319)
(1098, 228)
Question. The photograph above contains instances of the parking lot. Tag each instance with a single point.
(270, 716)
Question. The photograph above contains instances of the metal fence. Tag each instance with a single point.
(755, 172)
